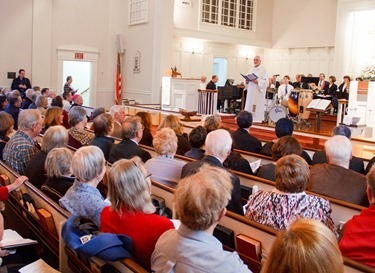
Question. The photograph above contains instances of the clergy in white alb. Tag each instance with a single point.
(256, 91)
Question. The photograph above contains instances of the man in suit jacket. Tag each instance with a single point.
(118, 114)
(212, 84)
(243, 140)
(299, 84)
(335, 179)
(323, 84)
(218, 146)
(356, 164)
(131, 134)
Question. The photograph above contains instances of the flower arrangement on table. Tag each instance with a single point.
(368, 73)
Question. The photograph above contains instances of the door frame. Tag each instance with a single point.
(67, 53)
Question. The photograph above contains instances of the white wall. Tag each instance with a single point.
(16, 39)
(307, 23)
(201, 62)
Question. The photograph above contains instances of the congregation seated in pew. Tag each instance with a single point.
(305, 246)
(286, 145)
(146, 123)
(54, 116)
(283, 127)
(78, 136)
(201, 201)
(355, 164)
(128, 147)
(59, 173)
(83, 198)
(243, 140)
(288, 201)
(235, 160)
(131, 212)
(197, 137)
(55, 137)
(103, 127)
(22, 145)
(357, 241)
(163, 167)
(218, 146)
(212, 123)
(173, 122)
(334, 178)
(6, 128)
(118, 114)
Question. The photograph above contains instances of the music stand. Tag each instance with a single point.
(310, 80)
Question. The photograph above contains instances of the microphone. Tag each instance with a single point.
(277, 75)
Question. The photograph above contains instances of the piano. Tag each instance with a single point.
(231, 93)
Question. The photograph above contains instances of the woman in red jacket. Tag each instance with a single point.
(132, 212)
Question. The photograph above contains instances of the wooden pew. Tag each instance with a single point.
(53, 243)
(341, 211)
(242, 225)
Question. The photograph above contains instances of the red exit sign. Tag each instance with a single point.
(78, 55)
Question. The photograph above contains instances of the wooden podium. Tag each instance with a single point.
(207, 101)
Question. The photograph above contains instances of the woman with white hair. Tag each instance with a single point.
(78, 137)
(59, 173)
(163, 167)
(83, 198)
(132, 212)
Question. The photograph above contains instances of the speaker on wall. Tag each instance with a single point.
(119, 43)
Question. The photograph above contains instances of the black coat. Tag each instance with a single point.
(127, 149)
(234, 204)
(246, 142)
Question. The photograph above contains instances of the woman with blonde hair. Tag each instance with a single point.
(175, 124)
(306, 246)
(146, 123)
(163, 167)
(54, 116)
(132, 212)
(41, 104)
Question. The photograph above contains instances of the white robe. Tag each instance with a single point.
(256, 94)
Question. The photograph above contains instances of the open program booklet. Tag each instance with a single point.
(12, 239)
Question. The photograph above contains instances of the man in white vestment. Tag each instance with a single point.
(256, 91)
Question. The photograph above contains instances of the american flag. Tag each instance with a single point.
(118, 81)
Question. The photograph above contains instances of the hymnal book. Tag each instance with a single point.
(46, 219)
(249, 77)
(38, 266)
(319, 104)
(4, 180)
(12, 239)
(248, 247)
(225, 236)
